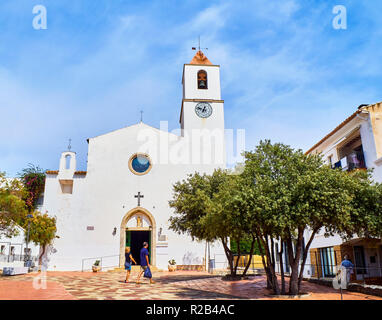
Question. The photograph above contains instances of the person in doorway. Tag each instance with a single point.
(346, 263)
(128, 260)
(144, 255)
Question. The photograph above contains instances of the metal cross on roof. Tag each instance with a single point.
(70, 144)
(141, 116)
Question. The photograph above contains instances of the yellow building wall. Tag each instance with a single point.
(375, 112)
(256, 261)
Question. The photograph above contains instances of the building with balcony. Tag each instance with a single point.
(355, 144)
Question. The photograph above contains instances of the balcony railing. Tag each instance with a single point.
(16, 257)
(355, 160)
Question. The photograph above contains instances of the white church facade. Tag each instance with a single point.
(122, 199)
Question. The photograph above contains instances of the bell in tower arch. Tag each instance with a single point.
(202, 79)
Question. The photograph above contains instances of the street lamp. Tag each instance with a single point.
(29, 216)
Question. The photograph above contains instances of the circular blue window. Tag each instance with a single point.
(140, 164)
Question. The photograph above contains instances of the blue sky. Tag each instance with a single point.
(287, 74)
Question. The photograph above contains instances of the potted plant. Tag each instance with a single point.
(172, 265)
(96, 267)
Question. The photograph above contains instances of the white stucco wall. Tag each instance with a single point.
(105, 195)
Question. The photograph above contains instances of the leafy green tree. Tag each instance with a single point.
(42, 230)
(278, 194)
(298, 192)
(245, 246)
(190, 203)
(12, 207)
(228, 218)
(367, 203)
(214, 208)
(42, 227)
(18, 199)
(193, 200)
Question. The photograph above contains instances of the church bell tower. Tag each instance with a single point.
(202, 107)
(202, 110)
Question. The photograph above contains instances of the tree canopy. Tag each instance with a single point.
(277, 195)
(18, 202)
(12, 207)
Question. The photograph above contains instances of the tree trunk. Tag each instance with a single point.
(294, 263)
(250, 255)
(266, 269)
(238, 255)
(304, 257)
(273, 277)
(228, 254)
(40, 257)
(272, 252)
(280, 253)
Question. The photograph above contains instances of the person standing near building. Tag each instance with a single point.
(128, 259)
(346, 263)
(145, 265)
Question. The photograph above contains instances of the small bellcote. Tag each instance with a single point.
(67, 170)
(67, 165)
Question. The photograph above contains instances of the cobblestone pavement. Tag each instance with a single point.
(168, 286)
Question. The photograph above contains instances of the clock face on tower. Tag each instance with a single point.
(203, 109)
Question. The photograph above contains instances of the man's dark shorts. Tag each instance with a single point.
(143, 268)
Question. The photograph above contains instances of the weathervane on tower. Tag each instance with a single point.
(194, 48)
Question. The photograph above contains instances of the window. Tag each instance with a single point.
(202, 79)
(140, 164)
(359, 257)
(2, 249)
(328, 261)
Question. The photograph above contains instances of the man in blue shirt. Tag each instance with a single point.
(346, 263)
(144, 255)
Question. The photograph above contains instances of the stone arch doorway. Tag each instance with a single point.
(135, 221)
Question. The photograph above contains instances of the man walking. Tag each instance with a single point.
(144, 255)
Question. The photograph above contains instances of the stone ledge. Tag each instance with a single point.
(366, 288)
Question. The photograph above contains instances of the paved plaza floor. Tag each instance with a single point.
(169, 286)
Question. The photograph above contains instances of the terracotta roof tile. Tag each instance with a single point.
(56, 172)
(51, 172)
(200, 58)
